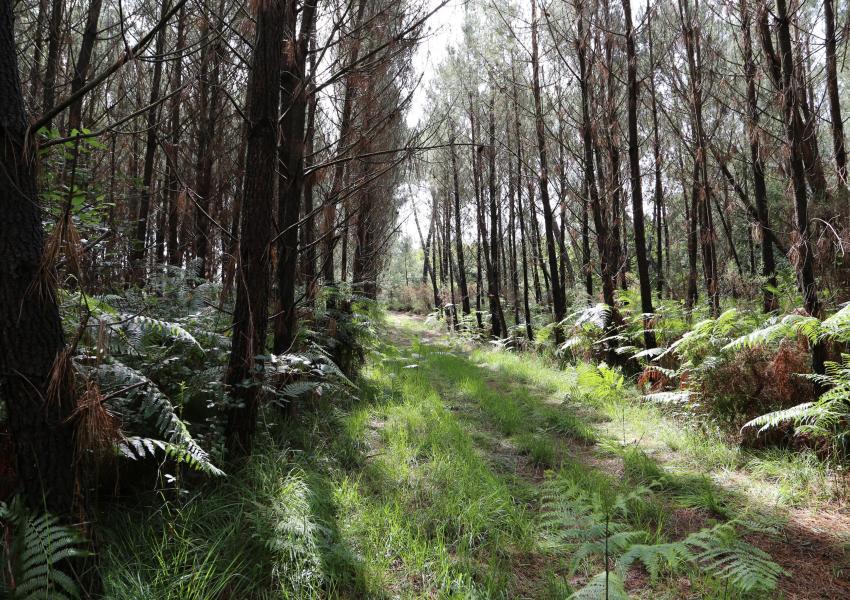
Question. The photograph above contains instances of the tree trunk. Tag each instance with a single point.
(498, 325)
(804, 261)
(759, 187)
(31, 338)
(558, 300)
(54, 46)
(658, 198)
(250, 314)
(308, 230)
(329, 212)
(291, 157)
(637, 187)
(602, 238)
(461, 264)
(175, 257)
(834, 98)
(137, 250)
(82, 65)
(691, 33)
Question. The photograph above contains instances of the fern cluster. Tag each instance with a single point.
(591, 523)
(39, 546)
(827, 417)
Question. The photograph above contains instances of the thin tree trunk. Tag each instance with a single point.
(54, 46)
(308, 258)
(173, 190)
(498, 325)
(461, 265)
(329, 212)
(138, 247)
(834, 98)
(602, 238)
(558, 300)
(691, 33)
(794, 139)
(637, 186)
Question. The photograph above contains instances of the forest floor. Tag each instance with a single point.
(459, 452)
(432, 483)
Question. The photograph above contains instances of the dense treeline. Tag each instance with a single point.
(241, 156)
(202, 206)
(693, 151)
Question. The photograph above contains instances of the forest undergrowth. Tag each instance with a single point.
(464, 471)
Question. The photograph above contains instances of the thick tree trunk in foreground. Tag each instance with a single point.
(31, 338)
(250, 314)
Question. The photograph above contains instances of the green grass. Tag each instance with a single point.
(430, 485)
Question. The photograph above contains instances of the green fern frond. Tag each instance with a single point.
(720, 552)
(778, 417)
(136, 447)
(137, 326)
(604, 586)
(144, 408)
(837, 326)
(40, 543)
(656, 557)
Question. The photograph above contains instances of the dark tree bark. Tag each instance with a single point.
(250, 314)
(803, 260)
(491, 254)
(329, 212)
(691, 294)
(512, 193)
(658, 198)
(476, 184)
(587, 268)
(54, 46)
(31, 338)
(175, 256)
(81, 67)
(38, 45)
(308, 257)
(558, 301)
(291, 157)
(209, 94)
(607, 269)
(773, 67)
(637, 187)
(526, 305)
(691, 34)
(137, 248)
(461, 263)
(612, 136)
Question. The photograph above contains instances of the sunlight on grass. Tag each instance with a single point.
(428, 513)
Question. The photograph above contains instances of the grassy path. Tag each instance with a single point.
(461, 471)
(459, 448)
